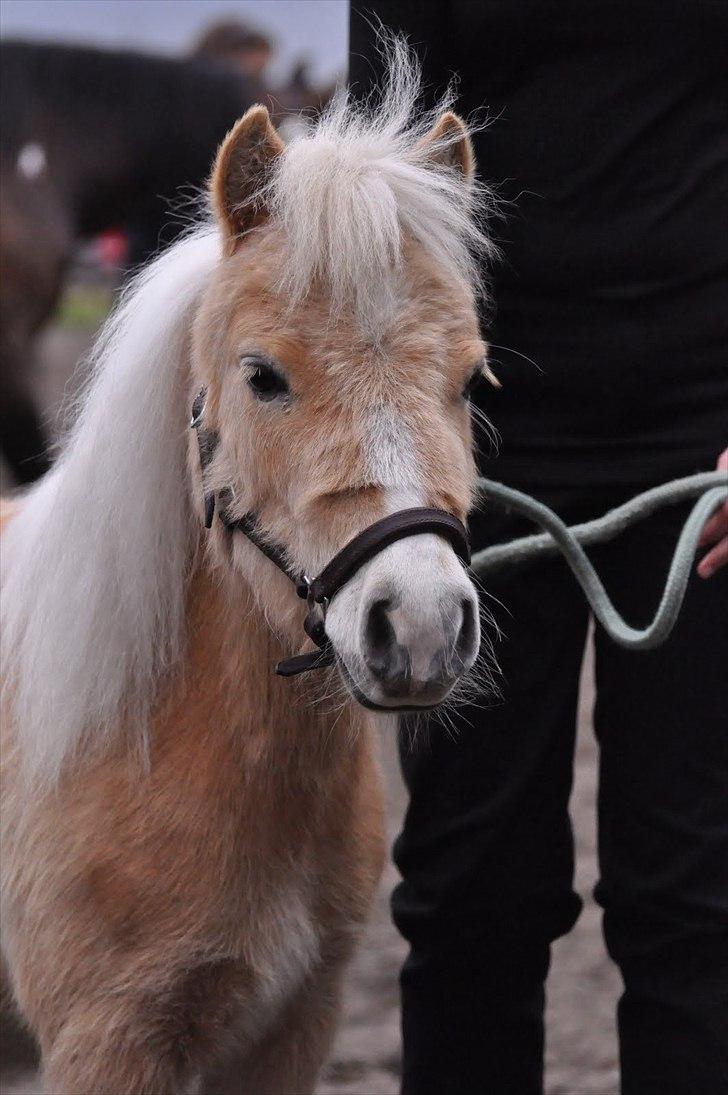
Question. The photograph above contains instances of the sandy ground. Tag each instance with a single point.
(583, 985)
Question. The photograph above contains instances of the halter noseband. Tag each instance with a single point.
(317, 592)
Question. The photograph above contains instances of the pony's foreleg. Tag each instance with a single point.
(91, 1055)
(289, 1057)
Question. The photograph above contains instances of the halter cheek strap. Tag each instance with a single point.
(318, 592)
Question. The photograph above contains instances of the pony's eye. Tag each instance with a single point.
(265, 382)
(472, 382)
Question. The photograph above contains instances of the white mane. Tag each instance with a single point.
(349, 192)
(94, 565)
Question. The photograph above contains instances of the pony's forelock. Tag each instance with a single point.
(94, 565)
(351, 191)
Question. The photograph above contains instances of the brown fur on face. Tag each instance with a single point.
(301, 463)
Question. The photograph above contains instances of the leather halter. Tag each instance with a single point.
(318, 592)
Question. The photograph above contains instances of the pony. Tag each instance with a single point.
(192, 842)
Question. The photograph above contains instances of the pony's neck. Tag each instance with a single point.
(226, 685)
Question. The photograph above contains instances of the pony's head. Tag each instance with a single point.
(338, 341)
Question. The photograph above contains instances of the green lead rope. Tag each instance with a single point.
(711, 490)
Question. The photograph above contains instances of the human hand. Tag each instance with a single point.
(715, 533)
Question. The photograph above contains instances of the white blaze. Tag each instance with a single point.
(391, 459)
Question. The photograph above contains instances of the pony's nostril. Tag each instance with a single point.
(465, 642)
(380, 635)
(425, 653)
(385, 657)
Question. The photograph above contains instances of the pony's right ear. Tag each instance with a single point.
(448, 144)
(242, 168)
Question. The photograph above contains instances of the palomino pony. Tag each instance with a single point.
(191, 841)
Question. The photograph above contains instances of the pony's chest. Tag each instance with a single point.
(280, 910)
(259, 866)
(281, 946)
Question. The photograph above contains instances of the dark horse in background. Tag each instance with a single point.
(90, 140)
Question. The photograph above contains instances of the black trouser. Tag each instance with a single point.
(486, 852)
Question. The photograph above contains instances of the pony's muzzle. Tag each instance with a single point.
(415, 644)
(406, 628)
(416, 661)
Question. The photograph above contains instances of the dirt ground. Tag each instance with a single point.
(583, 985)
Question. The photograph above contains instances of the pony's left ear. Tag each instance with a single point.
(448, 145)
(242, 168)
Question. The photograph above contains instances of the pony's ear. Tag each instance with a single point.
(448, 145)
(242, 168)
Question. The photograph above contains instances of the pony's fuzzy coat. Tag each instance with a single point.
(155, 923)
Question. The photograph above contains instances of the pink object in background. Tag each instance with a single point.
(112, 248)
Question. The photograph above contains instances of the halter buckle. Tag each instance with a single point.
(303, 588)
(315, 622)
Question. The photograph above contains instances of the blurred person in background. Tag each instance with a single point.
(236, 45)
(609, 149)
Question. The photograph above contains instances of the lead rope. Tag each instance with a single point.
(712, 487)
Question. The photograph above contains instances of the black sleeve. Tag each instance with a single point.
(426, 24)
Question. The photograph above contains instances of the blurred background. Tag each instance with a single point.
(310, 30)
(110, 113)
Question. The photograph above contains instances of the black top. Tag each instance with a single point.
(610, 145)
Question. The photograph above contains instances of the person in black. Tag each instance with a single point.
(609, 146)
